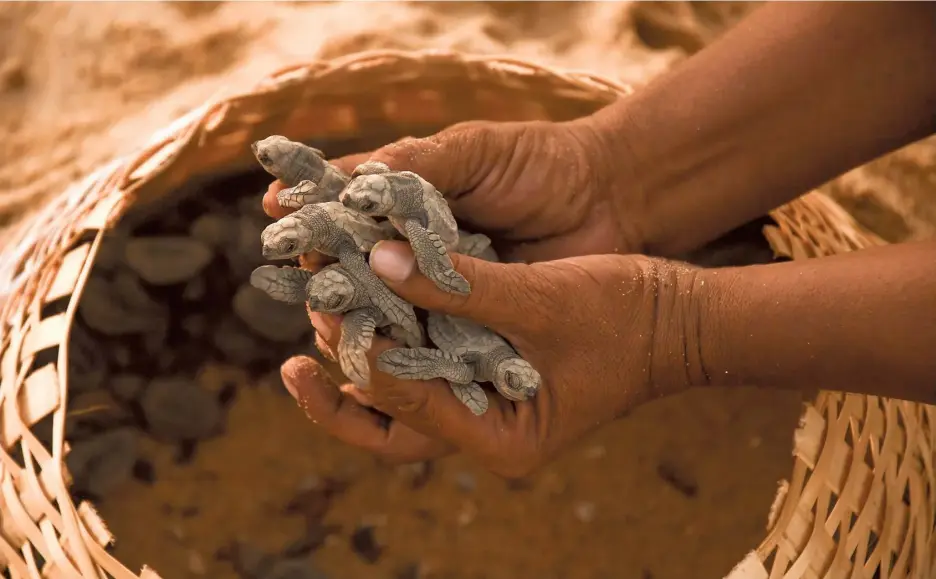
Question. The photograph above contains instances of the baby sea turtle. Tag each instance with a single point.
(308, 176)
(466, 352)
(417, 210)
(334, 230)
(476, 245)
(429, 363)
(331, 290)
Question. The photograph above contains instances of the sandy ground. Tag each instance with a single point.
(82, 82)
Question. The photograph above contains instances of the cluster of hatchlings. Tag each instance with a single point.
(344, 216)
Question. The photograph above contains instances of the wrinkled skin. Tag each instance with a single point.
(546, 310)
(540, 190)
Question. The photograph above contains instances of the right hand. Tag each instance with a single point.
(541, 190)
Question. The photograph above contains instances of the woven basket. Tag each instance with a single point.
(860, 501)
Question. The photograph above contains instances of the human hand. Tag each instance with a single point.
(606, 333)
(540, 190)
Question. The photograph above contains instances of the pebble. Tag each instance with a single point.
(584, 511)
(196, 289)
(120, 307)
(100, 463)
(110, 254)
(195, 325)
(166, 260)
(213, 230)
(126, 387)
(196, 564)
(235, 343)
(245, 252)
(364, 544)
(466, 514)
(87, 366)
(179, 409)
(271, 319)
(465, 481)
(293, 569)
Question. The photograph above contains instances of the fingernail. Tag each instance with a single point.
(392, 260)
(323, 326)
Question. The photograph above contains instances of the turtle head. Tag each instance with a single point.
(516, 379)
(330, 291)
(273, 153)
(286, 238)
(369, 194)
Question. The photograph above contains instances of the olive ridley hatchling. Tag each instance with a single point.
(417, 210)
(332, 290)
(308, 176)
(467, 351)
(334, 230)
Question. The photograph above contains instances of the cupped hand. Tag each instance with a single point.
(541, 190)
(606, 333)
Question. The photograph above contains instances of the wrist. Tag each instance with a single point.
(680, 301)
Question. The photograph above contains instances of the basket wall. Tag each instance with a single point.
(861, 495)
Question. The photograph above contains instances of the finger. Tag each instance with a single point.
(503, 295)
(359, 395)
(327, 327)
(270, 205)
(349, 162)
(454, 160)
(342, 417)
(324, 349)
(314, 261)
(430, 407)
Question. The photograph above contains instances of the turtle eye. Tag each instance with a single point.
(367, 205)
(289, 246)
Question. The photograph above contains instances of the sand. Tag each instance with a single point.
(81, 83)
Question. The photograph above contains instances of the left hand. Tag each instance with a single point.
(606, 333)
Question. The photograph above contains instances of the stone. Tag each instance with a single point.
(179, 409)
(276, 321)
(166, 260)
(293, 569)
(213, 230)
(126, 387)
(87, 366)
(245, 252)
(236, 343)
(119, 307)
(100, 463)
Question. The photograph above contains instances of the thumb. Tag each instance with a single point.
(500, 292)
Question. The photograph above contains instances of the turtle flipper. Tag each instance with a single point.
(477, 245)
(285, 284)
(357, 336)
(396, 310)
(433, 260)
(424, 364)
(305, 193)
(471, 395)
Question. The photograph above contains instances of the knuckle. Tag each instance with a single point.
(530, 291)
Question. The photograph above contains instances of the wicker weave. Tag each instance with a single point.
(861, 494)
